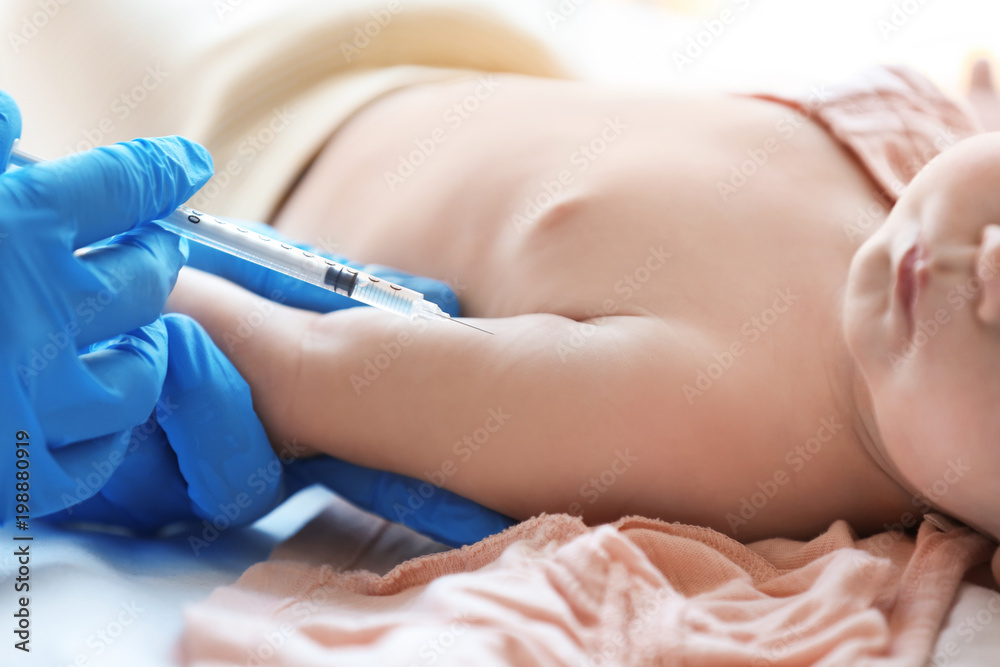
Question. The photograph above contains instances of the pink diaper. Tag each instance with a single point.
(892, 119)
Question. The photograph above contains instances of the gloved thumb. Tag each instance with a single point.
(207, 414)
(10, 127)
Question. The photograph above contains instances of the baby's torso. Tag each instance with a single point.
(730, 222)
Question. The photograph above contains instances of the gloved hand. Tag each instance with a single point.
(202, 455)
(63, 411)
(436, 512)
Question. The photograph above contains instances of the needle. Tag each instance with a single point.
(468, 325)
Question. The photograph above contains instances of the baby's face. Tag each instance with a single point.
(922, 319)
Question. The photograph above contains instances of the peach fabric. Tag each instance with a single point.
(552, 591)
(892, 119)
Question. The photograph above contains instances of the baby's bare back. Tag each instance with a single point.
(712, 234)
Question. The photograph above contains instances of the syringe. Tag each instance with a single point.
(289, 260)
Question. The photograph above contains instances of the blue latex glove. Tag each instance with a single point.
(202, 456)
(72, 407)
(436, 512)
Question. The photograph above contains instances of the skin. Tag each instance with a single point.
(612, 301)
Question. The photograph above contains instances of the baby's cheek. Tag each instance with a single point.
(913, 452)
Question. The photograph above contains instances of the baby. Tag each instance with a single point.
(704, 309)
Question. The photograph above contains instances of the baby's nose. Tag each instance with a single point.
(988, 270)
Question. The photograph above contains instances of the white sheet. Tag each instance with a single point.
(109, 600)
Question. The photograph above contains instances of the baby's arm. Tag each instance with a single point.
(522, 421)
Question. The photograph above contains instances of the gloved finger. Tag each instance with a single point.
(144, 494)
(10, 127)
(297, 294)
(430, 510)
(56, 477)
(137, 271)
(112, 389)
(109, 189)
(80, 503)
(148, 485)
(96, 509)
(207, 414)
(71, 475)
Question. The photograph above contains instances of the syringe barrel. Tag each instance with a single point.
(309, 267)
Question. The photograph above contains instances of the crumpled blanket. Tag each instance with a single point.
(553, 591)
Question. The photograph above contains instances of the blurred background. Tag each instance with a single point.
(722, 45)
(765, 41)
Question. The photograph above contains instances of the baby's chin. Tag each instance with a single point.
(944, 480)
